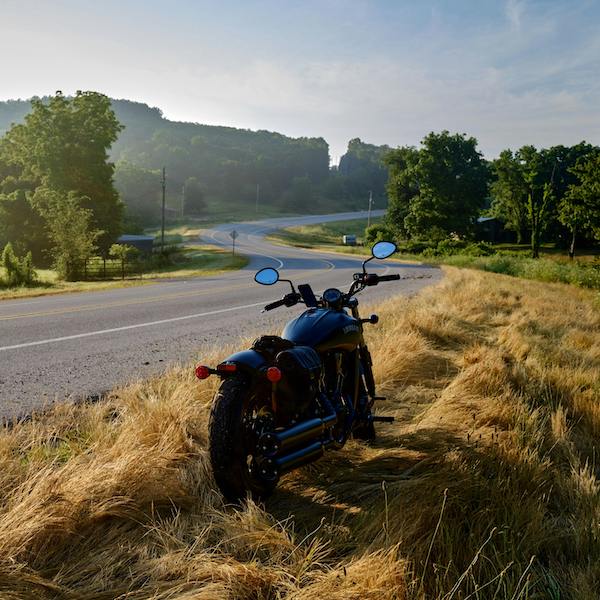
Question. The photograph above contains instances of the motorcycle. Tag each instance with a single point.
(286, 400)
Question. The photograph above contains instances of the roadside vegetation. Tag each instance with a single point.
(63, 202)
(552, 265)
(193, 260)
(487, 486)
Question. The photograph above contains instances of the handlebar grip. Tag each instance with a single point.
(389, 277)
(273, 305)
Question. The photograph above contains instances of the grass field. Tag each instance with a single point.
(326, 236)
(192, 261)
(486, 487)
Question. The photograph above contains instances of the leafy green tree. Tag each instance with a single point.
(363, 170)
(402, 187)
(193, 194)
(63, 146)
(539, 170)
(579, 209)
(439, 189)
(124, 253)
(509, 193)
(22, 225)
(70, 230)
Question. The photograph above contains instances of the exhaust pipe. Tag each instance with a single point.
(272, 468)
(275, 442)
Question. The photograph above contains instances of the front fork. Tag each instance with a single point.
(364, 359)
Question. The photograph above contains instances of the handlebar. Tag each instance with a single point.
(287, 300)
(274, 305)
(361, 280)
(369, 279)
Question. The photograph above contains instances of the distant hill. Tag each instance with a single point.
(227, 164)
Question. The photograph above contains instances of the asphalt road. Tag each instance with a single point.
(77, 345)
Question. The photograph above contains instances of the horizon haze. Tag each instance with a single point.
(508, 73)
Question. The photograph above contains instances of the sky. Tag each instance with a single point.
(509, 72)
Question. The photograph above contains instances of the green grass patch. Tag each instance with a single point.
(325, 235)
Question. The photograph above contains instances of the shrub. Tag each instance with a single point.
(377, 233)
(124, 253)
(19, 271)
(479, 249)
(416, 246)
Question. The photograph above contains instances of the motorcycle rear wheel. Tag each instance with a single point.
(229, 444)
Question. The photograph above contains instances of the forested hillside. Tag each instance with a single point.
(216, 167)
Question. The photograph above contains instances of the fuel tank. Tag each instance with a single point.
(324, 330)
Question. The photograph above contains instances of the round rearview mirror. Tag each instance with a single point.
(383, 249)
(267, 276)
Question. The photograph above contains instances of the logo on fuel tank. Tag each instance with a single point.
(350, 328)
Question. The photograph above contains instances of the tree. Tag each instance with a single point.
(402, 187)
(439, 189)
(539, 171)
(63, 146)
(140, 192)
(579, 209)
(70, 230)
(22, 225)
(299, 197)
(194, 202)
(509, 193)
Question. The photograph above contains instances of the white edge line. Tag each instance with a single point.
(126, 327)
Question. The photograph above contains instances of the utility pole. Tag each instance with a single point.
(257, 194)
(370, 205)
(163, 182)
(182, 201)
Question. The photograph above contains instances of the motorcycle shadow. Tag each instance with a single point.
(341, 496)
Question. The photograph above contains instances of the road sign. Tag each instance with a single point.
(233, 234)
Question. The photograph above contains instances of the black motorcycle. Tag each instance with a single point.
(282, 403)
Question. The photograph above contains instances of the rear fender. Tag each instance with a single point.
(249, 362)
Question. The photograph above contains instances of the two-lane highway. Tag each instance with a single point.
(76, 345)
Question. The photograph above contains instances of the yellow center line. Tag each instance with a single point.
(74, 309)
(70, 309)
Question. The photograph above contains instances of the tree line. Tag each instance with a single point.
(76, 172)
(63, 199)
(439, 191)
(211, 167)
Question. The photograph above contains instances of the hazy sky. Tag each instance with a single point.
(508, 72)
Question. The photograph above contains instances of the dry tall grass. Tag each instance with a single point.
(486, 486)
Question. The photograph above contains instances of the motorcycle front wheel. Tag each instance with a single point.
(230, 443)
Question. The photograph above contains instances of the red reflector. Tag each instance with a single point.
(273, 374)
(227, 367)
(202, 372)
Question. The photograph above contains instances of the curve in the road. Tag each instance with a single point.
(84, 344)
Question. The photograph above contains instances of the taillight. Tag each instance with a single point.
(202, 372)
(273, 374)
(227, 367)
